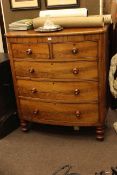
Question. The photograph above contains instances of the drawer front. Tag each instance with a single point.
(30, 51)
(86, 49)
(64, 70)
(59, 91)
(61, 113)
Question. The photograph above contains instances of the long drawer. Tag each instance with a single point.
(59, 113)
(57, 70)
(62, 91)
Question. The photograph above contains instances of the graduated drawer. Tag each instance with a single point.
(30, 51)
(59, 113)
(59, 91)
(58, 70)
(85, 49)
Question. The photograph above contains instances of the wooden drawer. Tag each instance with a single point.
(58, 113)
(59, 91)
(30, 51)
(59, 70)
(86, 49)
(60, 77)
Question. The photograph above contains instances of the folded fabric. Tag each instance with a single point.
(24, 24)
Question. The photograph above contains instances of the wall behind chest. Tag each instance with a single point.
(10, 16)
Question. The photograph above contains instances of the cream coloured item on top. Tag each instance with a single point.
(64, 12)
(107, 18)
(90, 21)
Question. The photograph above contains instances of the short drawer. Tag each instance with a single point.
(30, 51)
(59, 91)
(59, 70)
(86, 49)
(59, 113)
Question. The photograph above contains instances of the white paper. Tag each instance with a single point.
(63, 12)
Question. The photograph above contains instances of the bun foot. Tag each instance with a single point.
(24, 125)
(100, 133)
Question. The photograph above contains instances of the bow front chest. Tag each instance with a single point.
(60, 77)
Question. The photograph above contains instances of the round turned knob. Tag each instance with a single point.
(31, 70)
(78, 114)
(74, 51)
(28, 51)
(36, 111)
(75, 71)
(77, 92)
(33, 90)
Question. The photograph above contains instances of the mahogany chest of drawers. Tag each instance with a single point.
(60, 78)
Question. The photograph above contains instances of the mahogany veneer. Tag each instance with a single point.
(60, 78)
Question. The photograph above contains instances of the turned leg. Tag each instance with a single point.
(24, 125)
(100, 133)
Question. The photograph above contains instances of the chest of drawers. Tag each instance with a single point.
(60, 77)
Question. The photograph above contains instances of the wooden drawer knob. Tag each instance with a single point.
(77, 92)
(78, 114)
(33, 90)
(28, 51)
(75, 71)
(74, 51)
(35, 112)
(31, 70)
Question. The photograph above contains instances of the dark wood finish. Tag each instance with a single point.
(7, 97)
(60, 77)
(8, 115)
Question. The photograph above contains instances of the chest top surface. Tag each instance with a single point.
(67, 31)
